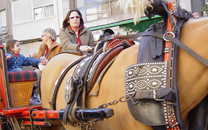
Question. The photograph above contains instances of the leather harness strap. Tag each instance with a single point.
(153, 94)
(105, 60)
(80, 78)
(170, 38)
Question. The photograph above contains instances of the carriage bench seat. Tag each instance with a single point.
(20, 87)
(22, 76)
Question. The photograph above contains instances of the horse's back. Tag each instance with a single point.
(51, 73)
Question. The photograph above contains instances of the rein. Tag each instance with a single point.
(169, 38)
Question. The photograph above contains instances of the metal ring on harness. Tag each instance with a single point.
(173, 35)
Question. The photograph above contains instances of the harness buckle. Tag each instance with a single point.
(155, 96)
(166, 50)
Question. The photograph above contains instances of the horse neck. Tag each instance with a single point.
(191, 74)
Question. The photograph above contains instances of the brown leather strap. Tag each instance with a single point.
(113, 52)
(157, 94)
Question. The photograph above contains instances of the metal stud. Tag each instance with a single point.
(130, 86)
(154, 84)
(154, 70)
(82, 64)
(130, 73)
(78, 70)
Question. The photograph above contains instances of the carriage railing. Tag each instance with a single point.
(5, 103)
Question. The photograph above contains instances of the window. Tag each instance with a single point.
(3, 25)
(42, 12)
(97, 9)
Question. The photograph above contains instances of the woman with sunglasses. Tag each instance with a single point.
(74, 36)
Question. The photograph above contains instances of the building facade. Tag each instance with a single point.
(25, 20)
(5, 21)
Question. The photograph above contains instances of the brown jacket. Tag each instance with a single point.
(54, 50)
(69, 40)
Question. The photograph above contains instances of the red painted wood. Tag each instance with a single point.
(19, 110)
(40, 114)
(3, 103)
(34, 123)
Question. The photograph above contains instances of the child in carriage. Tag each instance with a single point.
(15, 61)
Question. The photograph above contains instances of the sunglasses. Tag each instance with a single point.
(72, 17)
(43, 35)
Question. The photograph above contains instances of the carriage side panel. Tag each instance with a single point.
(4, 103)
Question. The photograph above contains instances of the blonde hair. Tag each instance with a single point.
(50, 33)
(138, 7)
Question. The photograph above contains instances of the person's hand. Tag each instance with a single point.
(44, 61)
(35, 55)
(9, 57)
(85, 48)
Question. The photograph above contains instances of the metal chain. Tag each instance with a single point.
(89, 124)
(121, 99)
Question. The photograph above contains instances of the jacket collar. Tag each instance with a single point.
(44, 46)
(80, 26)
(82, 29)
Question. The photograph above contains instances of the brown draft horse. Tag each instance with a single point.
(192, 79)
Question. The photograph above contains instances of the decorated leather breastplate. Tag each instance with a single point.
(146, 80)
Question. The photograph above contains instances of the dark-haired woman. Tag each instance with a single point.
(74, 35)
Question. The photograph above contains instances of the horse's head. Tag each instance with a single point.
(139, 7)
(156, 9)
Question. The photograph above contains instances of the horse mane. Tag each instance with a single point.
(138, 7)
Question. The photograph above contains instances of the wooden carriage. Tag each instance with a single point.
(15, 108)
(15, 93)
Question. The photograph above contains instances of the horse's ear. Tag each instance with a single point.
(148, 14)
(156, 9)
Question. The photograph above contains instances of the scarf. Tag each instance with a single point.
(16, 54)
(77, 35)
